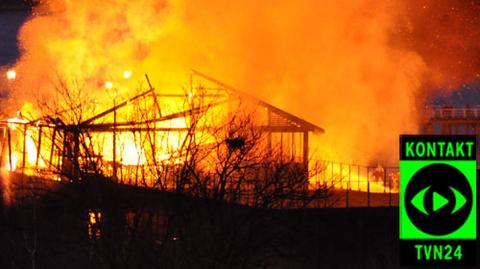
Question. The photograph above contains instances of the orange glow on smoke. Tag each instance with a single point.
(330, 62)
(334, 63)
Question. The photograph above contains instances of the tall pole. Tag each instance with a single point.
(390, 195)
(269, 137)
(347, 202)
(50, 162)
(39, 146)
(9, 136)
(24, 145)
(114, 150)
(368, 186)
(305, 150)
(358, 176)
(384, 179)
(76, 152)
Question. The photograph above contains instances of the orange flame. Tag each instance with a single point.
(335, 63)
(329, 62)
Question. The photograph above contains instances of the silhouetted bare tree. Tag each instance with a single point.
(206, 199)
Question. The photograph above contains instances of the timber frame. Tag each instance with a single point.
(279, 122)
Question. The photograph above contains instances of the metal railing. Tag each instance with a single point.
(453, 113)
(353, 185)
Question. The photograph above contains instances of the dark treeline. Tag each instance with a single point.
(95, 224)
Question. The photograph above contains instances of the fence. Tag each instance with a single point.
(348, 185)
(352, 185)
(453, 113)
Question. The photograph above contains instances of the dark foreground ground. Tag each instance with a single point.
(100, 225)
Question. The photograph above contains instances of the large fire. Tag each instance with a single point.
(301, 56)
(331, 62)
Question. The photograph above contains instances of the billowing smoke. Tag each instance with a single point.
(348, 65)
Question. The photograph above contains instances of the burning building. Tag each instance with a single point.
(361, 69)
(152, 139)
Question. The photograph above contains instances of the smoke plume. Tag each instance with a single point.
(350, 67)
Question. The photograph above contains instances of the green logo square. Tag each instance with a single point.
(437, 199)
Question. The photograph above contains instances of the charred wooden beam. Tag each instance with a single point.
(284, 129)
(173, 95)
(24, 145)
(293, 118)
(76, 154)
(9, 138)
(39, 146)
(305, 150)
(54, 134)
(136, 129)
(181, 114)
(115, 107)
